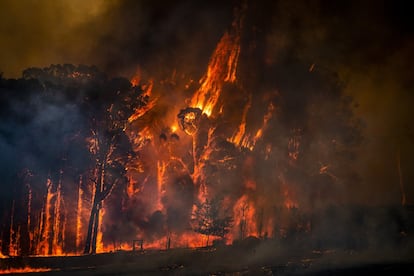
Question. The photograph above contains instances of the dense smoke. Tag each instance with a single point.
(289, 141)
(369, 44)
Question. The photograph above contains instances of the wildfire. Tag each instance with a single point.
(245, 218)
(44, 245)
(150, 103)
(237, 138)
(294, 145)
(26, 269)
(174, 128)
(266, 118)
(222, 68)
(13, 241)
(136, 79)
(161, 166)
(100, 248)
(192, 146)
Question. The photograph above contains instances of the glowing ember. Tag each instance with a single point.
(294, 145)
(24, 270)
(136, 79)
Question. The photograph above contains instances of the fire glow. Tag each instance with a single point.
(184, 160)
(24, 270)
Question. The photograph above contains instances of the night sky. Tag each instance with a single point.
(369, 44)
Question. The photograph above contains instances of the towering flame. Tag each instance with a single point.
(44, 247)
(58, 225)
(237, 138)
(13, 239)
(139, 112)
(179, 158)
(222, 68)
(100, 248)
(161, 166)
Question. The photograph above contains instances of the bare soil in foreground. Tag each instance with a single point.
(253, 258)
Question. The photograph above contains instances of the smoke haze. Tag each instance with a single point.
(322, 103)
(368, 44)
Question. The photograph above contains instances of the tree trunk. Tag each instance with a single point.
(90, 244)
(90, 229)
(95, 229)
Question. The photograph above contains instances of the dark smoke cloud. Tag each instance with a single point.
(117, 36)
(368, 45)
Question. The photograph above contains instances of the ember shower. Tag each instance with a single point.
(96, 162)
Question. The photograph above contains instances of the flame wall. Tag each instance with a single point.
(247, 105)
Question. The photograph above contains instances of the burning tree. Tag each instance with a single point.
(209, 219)
(110, 147)
(272, 142)
(70, 133)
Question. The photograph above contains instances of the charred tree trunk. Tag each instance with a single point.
(94, 213)
(91, 237)
(95, 229)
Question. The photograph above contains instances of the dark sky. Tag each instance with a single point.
(370, 44)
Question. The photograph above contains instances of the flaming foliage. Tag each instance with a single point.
(272, 148)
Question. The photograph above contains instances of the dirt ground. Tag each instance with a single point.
(255, 258)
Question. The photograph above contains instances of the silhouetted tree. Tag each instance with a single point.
(109, 145)
(209, 219)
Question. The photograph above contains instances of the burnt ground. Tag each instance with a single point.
(264, 258)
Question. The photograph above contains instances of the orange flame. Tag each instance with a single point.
(248, 217)
(136, 79)
(13, 241)
(238, 136)
(266, 118)
(294, 145)
(43, 246)
(174, 128)
(26, 269)
(245, 218)
(139, 112)
(222, 68)
(100, 248)
(198, 175)
(161, 166)
(58, 226)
